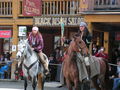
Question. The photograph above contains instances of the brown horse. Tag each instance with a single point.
(70, 70)
(103, 76)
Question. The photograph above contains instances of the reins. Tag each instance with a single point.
(28, 68)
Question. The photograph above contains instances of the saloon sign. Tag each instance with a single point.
(32, 7)
(5, 33)
(56, 21)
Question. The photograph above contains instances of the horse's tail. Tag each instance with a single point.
(107, 70)
(107, 73)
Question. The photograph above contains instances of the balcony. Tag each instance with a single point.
(62, 7)
(106, 4)
(66, 7)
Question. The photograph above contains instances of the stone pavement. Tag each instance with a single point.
(19, 85)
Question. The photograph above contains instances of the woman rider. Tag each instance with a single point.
(86, 35)
(36, 42)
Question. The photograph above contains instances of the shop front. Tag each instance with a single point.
(50, 27)
(5, 51)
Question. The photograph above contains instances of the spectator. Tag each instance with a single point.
(52, 68)
(52, 59)
(1, 58)
(101, 53)
(114, 57)
(57, 55)
(94, 49)
(7, 56)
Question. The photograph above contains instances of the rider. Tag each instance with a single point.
(36, 42)
(86, 35)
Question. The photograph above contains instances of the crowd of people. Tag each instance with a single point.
(114, 60)
(5, 57)
(5, 65)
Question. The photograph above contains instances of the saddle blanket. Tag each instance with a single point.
(94, 67)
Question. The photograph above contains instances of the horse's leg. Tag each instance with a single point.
(34, 82)
(102, 83)
(68, 84)
(25, 83)
(95, 83)
(43, 81)
(40, 82)
(86, 85)
(76, 84)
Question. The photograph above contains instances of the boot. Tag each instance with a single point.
(44, 63)
(46, 71)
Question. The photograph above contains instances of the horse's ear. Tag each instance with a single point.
(26, 40)
(74, 36)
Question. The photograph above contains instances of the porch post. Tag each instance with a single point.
(14, 42)
(106, 41)
(15, 36)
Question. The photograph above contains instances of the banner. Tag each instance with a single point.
(56, 21)
(32, 7)
(5, 33)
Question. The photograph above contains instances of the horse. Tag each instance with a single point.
(30, 65)
(101, 80)
(69, 68)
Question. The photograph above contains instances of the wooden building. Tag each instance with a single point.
(104, 19)
(102, 16)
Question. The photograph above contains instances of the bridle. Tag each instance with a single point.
(82, 48)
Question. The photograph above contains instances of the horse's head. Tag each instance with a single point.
(73, 47)
(81, 44)
(21, 48)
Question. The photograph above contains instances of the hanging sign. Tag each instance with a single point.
(32, 7)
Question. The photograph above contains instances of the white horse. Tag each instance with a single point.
(30, 64)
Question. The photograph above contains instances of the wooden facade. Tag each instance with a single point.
(97, 13)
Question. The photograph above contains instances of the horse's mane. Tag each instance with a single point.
(29, 48)
(70, 48)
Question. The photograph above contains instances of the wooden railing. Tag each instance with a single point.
(54, 7)
(107, 4)
(6, 8)
(60, 7)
